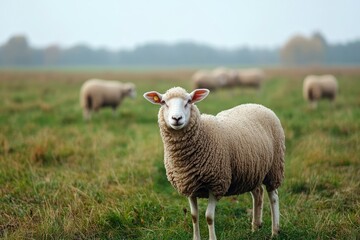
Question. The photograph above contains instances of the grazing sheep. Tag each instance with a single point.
(205, 79)
(208, 156)
(97, 93)
(221, 75)
(318, 87)
(251, 77)
(233, 78)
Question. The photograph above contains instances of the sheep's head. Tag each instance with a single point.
(176, 104)
(129, 89)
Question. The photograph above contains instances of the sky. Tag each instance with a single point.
(119, 24)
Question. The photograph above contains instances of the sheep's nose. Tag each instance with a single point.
(177, 118)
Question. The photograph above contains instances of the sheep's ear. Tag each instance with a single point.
(199, 94)
(153, 97)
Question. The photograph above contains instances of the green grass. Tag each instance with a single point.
(63, 178)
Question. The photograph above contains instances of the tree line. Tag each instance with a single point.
(298, 50)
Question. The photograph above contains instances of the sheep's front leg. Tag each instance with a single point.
(86, 114)
(275, 213)
(257, 196)
(195, 217)
(210, 216)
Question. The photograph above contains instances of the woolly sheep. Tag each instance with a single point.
(222, 77)
(252, 77)
(97, 93)
(233, 78)
(318, 87)
(205, 79)
(208, 156)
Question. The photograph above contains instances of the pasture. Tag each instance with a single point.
(63, 178)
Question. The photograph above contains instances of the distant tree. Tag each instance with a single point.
(16, 51)
(79, 54)
(52, 55)
(319, 37)
(301, 50)
(298, 50)
(348, 53)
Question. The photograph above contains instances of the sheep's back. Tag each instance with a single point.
(204, 79)
(102, 92)
(315, 87)
(251, 77)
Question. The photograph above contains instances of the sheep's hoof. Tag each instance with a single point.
(256, 227)
(275, 233)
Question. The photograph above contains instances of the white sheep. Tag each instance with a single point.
(252, 77)
(206, 79)
(233, 78)
(231, 153)
(221, 76)
(319, 87)
(97, 93)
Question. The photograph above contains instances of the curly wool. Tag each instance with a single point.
(227, 154)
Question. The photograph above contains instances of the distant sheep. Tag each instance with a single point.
(231, 153)
(233, 78)
(227, 78)
(222, 77)
(319, 87)
(250, 77)
(205, 79)
(97, 93)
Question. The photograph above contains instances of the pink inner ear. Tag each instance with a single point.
(198, 94)
(154, 97)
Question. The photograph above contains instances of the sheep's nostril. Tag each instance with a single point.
(176, 118)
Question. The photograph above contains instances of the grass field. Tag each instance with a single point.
(63, 178)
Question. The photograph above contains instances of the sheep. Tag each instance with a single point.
(252, 77)
(233, 78)
(318, 87)
(208, 156)
(98, 93)
(205, 79)
(222, 77)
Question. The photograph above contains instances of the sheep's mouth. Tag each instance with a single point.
(177, 126)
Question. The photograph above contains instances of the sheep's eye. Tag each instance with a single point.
(188, 102)
(163, 103)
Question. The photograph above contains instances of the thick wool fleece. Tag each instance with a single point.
(96, 93)
(317, 87)
(227, 154)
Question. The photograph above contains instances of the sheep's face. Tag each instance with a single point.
(130, 90)
(176, 107)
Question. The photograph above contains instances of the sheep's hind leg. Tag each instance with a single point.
(257, 196)
(195, 217)
(275, 212)
(210, 216)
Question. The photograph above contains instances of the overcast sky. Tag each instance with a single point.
(118, 24)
